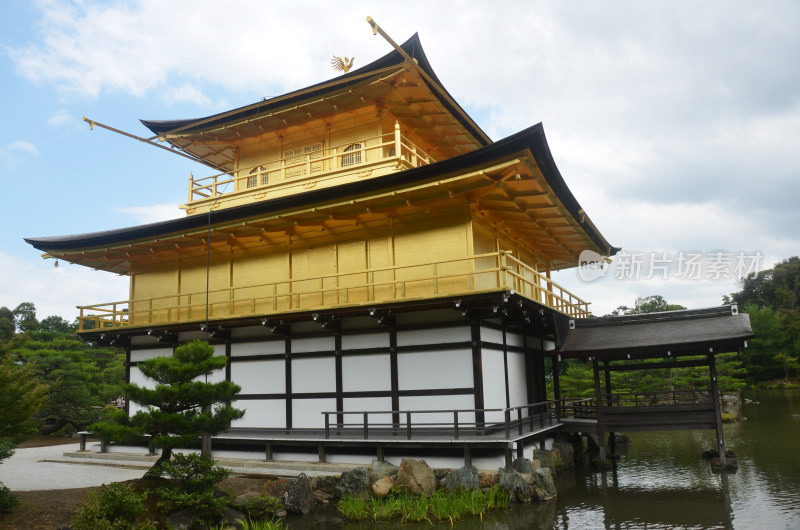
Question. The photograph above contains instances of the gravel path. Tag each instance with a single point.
(29, 470)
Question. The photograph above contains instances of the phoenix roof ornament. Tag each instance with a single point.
(342, 64)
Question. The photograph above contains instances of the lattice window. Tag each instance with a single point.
(352, 155)
(298, 161)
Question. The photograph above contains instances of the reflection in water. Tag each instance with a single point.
(661, 482)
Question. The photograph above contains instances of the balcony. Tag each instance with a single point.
(482, 273)
(314, 168)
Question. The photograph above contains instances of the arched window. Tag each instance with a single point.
(253, 176)
(352, 156)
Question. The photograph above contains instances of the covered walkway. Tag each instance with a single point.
(673, 339)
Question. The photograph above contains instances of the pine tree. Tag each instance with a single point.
(181, 407)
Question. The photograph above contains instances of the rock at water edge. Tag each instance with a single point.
(299, 498)
(416, 476)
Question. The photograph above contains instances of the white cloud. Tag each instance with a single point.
(23, 146)
(59, 117)
(185, 93)
(57, 290)
(152, 213)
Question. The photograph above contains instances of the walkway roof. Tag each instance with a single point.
(671, 333)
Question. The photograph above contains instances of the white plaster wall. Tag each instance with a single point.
(260, 377)
(306, 413)
(515, 339)
(362, 404)
(218, 375)
(516, 380)
(261, 413)
(436, 369)
(494, 383)
(412, 403)
(549, 345)
(314, 375)
(258, 348)
(366, 372)
(491, 335)
(313, 344)
(367, 340)
(434, 336)
(143, 355)
(138, 378)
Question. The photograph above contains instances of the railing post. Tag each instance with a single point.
(366, 425)
(397, 148)
(519, 420)
(327, 426)
(508, 423)
(408, 425)
(191, 186)
(455, 424)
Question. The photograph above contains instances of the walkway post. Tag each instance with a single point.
(712, 374)
(612, 443)
(598, 399)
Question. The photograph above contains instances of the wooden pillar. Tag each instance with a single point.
(712, 374)
(556, 382)
(598, 400)
(612, 443)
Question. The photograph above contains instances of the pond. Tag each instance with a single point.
(661, 482)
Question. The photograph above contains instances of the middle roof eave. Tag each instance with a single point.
(529, 140)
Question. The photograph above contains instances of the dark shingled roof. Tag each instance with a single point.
(532, 139)
(689, 332)
(413, 47)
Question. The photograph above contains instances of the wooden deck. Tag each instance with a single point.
(409, 429)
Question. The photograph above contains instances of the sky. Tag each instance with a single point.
(675, 124)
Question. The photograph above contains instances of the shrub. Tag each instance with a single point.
(259, 508)
(196, 476)
(7, 499)
(113, 507)
(194, 472)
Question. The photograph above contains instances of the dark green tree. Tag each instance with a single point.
(21, 396)
(7, 325)
(181, 407)
(25, 317)
(778, 287)
(648, 304)
(81, 378)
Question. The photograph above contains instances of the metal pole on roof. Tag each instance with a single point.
(376, 29)
(93, 123)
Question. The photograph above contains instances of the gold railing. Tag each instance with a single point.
(482, 273)
(392, 146)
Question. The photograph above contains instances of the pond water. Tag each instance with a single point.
(661, 482)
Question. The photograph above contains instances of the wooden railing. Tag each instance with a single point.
(481, 273)
(586, 408)
(459, 423)
(392, 146)
(664, 397)
(577, 408)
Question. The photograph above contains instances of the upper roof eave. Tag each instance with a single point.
(530, 140)
(412, 47)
